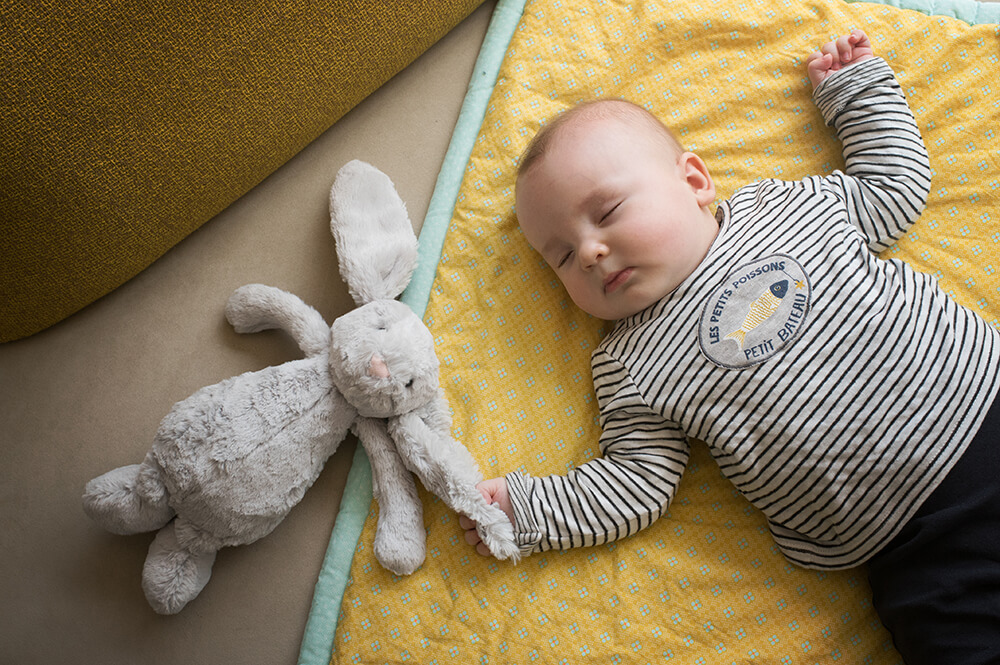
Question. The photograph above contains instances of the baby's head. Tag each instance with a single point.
(616, 206)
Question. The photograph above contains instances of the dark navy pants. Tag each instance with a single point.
(936, 585)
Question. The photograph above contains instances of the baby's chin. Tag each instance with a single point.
(640, 299)
(623, 308)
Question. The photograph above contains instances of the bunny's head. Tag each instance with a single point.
(381, 354)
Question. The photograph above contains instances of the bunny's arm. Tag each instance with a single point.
(256, 307)
(400, 539)
(446, 468)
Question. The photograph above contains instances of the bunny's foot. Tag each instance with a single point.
(129, 499)
(174, 575)
(398, 551)
(400, 539)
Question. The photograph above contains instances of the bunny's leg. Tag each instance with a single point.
(447, 469)
(400, 539)
(175, 571)
(129, 499)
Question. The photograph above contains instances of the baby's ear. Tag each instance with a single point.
(376, 247)
(696, 174)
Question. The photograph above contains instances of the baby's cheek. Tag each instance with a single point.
(581, 293)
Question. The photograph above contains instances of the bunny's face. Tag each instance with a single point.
(383, 361)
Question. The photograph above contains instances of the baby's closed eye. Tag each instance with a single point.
(611, 210)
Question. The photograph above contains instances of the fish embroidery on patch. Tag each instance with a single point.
(757, 310)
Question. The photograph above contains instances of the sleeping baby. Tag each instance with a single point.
(846, 396)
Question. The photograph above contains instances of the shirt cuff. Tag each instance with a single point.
(526, 532)
(840, 88)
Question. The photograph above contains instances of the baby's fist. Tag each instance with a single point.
(494, 491)
(837, 54)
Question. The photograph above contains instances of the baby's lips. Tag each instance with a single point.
(616, 279)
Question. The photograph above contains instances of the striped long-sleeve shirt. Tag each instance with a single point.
(834, 389)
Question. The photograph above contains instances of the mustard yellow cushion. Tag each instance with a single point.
(705, 584)
(125, 126)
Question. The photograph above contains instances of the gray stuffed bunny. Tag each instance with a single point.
(229, 462)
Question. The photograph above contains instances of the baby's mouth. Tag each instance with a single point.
(615, 280)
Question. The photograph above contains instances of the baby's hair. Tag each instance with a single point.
(601, 108)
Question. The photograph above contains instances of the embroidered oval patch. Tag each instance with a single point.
(758, 310)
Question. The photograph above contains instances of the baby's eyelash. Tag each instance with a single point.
(610, 211)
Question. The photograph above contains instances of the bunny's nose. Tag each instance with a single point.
(377, 369)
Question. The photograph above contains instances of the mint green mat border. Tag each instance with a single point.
(317, 642)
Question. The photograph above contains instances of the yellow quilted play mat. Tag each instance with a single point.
(704, 585)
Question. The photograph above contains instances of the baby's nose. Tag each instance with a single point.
(592, 252)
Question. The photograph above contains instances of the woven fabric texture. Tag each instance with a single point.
(705, 584)
(126, 126)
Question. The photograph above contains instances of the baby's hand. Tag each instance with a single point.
(495, 492)
(835, 55)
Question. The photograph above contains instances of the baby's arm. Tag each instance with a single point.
(610, 497)
(885, 183)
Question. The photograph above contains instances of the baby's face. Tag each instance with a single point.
(620, 217)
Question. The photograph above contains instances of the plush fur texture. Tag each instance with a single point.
(230, 461)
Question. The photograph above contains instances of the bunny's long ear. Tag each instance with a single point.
(376, 247)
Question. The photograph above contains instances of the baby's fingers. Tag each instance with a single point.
(473, 539)
(472, 536)
(861, 46)
(814, 59)
(859, 39)
(817, 65)
(845, 49)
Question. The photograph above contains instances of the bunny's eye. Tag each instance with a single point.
(409, 384)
